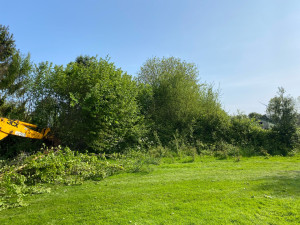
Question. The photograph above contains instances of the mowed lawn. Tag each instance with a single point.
(208, 191)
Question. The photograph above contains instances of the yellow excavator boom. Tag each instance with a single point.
(19, 128)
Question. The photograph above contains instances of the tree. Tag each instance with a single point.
(213, 122)
(7, 47)
(14, 78)
(255, 115)
(282, 112)
(177, 102)
(174, 103)
(90, 104)
(298, 110)
(14, 74)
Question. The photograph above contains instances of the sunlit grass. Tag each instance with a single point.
(208, 191)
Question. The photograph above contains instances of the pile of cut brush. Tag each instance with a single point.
(30, 174)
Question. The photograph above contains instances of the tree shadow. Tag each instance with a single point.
(286, 184)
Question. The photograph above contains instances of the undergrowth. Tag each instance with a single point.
(31, 174)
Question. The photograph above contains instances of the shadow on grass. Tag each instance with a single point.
(287, 184)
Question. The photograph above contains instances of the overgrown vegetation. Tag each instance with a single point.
(90, 105)
(34, 174)
(94, 107)
(255, 190)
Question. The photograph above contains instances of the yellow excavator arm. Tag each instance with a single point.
(19, 128)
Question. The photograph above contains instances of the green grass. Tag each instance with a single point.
(208, 191)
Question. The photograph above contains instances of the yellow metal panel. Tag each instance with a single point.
(16, 127)
(2, 135)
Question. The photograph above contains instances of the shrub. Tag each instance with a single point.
(248, 134)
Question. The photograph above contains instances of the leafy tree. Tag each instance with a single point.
(176, 102)
(298, 110)
(255, 115)
(14, 74)
(258, 116)
(212, 122)
(281, 110)
(7, 47)
(84, 60)
(175, 93)
(14, 79)
(90, 104)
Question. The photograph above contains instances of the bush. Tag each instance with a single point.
(248, 134)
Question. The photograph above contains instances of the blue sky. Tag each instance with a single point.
(247, 48)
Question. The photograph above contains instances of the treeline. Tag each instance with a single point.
(91, 105)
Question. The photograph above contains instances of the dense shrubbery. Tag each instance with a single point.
(91, 105)
(248, 135)
(94, 107)
(174, 102)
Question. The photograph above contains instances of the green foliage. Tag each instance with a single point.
(248, 134)
(173, 100)
(244, 130)
(7, 47)
(145, 100)
(175, 92)
(212, 123)
(14, 68)
(14, 81)
(259, 117)
(281, 110)
(90, 104)
(32, 174)
(206, 191)
(15, 71)
(255, 115)
(26, 173)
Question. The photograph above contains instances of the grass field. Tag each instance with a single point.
(208, 191)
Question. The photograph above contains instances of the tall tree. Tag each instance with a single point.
(14, 73)
(175, 93)
(298, 110)
(90, 104)
(177, 102)
(7, 47)
(14, 76)
(281, 110)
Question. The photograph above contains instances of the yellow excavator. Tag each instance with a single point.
(19, 128)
